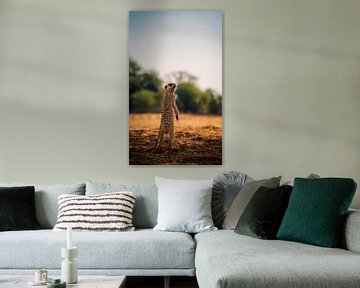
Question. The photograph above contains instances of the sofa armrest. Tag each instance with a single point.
(351, 234)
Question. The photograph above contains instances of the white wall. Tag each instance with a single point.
(291, 90)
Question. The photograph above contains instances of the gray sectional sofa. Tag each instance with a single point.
(221, 259)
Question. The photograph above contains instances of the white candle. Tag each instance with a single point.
(69, 239)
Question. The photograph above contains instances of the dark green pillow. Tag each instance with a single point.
(17, 208)
(264, 212)
(316, 211)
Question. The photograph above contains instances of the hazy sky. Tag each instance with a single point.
(170, 41)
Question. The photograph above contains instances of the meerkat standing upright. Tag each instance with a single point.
(169, 110)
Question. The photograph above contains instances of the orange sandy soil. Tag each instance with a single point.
(198, 140)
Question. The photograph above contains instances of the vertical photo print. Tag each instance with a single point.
(175, 87)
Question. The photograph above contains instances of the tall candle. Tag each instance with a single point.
(69, 237)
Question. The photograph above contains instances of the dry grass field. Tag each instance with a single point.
(198, 141)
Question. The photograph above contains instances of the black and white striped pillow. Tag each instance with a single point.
(105, 212)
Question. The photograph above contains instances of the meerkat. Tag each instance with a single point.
(169, 110)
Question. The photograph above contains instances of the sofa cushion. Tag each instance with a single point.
(225, 189)
(317, 209)
(184, 205)
(146, 205)
(46, 200)
(17, 208)
(143, 249)
(243, 198)
(225, 259)
(263, 215)
(105, 212)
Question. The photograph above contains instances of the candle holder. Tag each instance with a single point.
(69, 265)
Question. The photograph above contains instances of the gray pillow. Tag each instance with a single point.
(226, 187)
(243, 198)
(146, 204)
(46, 200)
(310, 176)
(184, 205)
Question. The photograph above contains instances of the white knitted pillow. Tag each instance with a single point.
(105, 212)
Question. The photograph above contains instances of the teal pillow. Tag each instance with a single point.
(316, 211)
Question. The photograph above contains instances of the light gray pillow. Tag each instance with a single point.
(146, 204)
(46, 200)
(243, 198)
(184, 205)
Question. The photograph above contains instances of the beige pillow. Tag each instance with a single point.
(243, 198)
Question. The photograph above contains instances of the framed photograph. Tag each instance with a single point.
(175, 87)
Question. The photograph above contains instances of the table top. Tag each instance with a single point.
(84, 281)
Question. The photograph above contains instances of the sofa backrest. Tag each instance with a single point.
(146, 203)
(46, 200)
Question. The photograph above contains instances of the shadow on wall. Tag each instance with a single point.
(38, 143)
(61, 90)
(62, 55)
